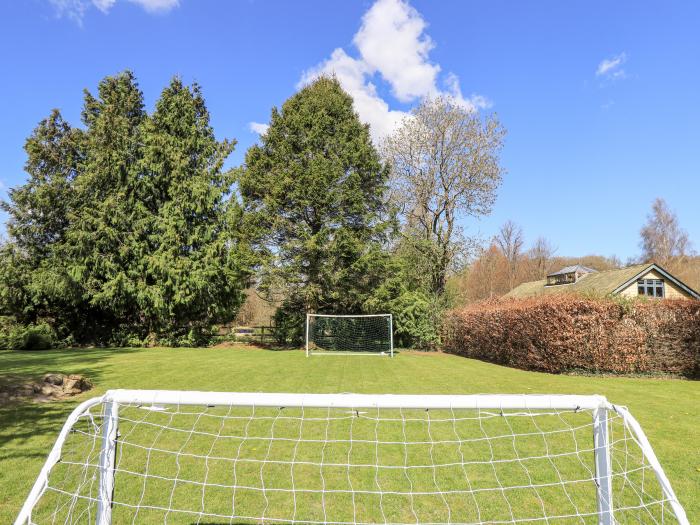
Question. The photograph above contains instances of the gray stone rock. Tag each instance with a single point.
(54, 379)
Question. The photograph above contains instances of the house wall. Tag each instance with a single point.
(671, 291)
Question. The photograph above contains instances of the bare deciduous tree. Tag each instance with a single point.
(662, 239)
(445, 166)
(510, 242)
(540, 256)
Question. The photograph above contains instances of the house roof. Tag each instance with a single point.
(574, 268)
(604, 283)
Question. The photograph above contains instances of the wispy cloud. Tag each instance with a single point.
(258, 127)
(392, 45)
(76, 9)
(612, 67)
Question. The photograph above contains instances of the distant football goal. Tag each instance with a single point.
(349, 334)
(149, 457)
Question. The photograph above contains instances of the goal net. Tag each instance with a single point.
(363, 334)
(223, 458)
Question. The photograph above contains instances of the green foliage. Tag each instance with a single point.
(313, 194)
(405, 294)
(416, 320)
(15, 336)
(289, 324)
(124, 229)
(191, 275)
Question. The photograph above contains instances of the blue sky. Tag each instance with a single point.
(600, 99)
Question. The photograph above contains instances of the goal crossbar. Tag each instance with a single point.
(485, 406)
(381, 401)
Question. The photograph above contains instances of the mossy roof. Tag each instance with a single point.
(599, 283)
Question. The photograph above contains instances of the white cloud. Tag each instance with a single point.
(612, 67)
(393, 45)
(103, 5)
(472, 103)
(392, 42)
(352, 75)
(258, 127)
(155, 6)
(73, 9)
(76, 9)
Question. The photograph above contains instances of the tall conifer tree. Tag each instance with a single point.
(193, 275)
(313, 193)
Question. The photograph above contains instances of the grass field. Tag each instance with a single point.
(668, 410)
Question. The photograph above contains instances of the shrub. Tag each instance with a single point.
(565, 333)
(415, 320)
(289, 325)
(15, 336)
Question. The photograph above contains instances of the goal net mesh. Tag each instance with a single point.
(233, 464)
(349, 334)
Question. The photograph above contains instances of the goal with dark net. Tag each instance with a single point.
(349, 334)
(149, 457)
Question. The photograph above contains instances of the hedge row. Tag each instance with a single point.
(567, 333)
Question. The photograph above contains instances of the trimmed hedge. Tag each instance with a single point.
(563, 333)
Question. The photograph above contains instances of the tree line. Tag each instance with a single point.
(130, 229)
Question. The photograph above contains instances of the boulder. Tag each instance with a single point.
(51, 387)
(54, 379)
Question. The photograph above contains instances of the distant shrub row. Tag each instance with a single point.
(569, 333)
(36, 336)
(43, 336)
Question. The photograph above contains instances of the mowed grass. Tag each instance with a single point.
(668, 410)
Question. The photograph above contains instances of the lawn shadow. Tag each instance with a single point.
(33, 363)
(23, 419)
(267, 346)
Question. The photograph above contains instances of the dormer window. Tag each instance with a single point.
(568, 275)
(561, 278)
(651, 287)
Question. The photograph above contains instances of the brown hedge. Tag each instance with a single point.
(565, 333)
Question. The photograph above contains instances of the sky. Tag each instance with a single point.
(600, 99)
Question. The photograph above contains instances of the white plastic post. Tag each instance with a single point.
(603, 470)
(107, 459)
(391, 333)
(42, 481)
(307, 334)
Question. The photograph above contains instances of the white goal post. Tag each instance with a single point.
(140, 456)
(371, 334)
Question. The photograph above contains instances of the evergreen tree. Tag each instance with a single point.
(193, 276)
(105, 238)
(39, 213)
(313, 193)
(123, 228)
(39, 209)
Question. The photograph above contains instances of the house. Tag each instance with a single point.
(647, 280)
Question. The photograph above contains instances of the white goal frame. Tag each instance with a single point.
(391, 335)
(156, 399)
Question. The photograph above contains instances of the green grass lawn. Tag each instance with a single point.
(668, 410)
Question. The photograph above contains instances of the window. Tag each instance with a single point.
(651, 287)
(562, 278)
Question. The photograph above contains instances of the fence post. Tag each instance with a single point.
(107, 463)
(603, 470)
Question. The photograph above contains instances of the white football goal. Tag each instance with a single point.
(349, 334)
(173, 457)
